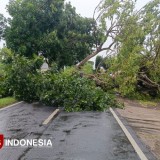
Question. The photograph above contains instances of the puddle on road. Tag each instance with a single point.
(122, 146)
(37, 104)
(36, 134)
(15, 130)
(67, 131)
(64, 118)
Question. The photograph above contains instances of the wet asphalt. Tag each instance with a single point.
(75, 136)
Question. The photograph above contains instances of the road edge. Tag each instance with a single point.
(51, 116)
(146, 149)
(12, 105)
(138, 150)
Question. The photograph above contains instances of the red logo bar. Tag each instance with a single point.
(1, 141)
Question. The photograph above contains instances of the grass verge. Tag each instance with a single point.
(7, 101)
(148, 103)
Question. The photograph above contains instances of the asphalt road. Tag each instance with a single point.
(75, 136)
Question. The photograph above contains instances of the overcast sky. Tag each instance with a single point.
(86, 7)
(83, 7)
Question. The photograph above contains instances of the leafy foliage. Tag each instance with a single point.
(4, 90)
(3, 25)
(21, 77)
(109, 16)
(135, 67)
(65, 88)
(74, 93)
(51, 28)
(100, 62)
(30, 21)
(87, 68)
(55, 30)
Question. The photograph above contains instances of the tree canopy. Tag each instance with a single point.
(135, 35)
(115, 20)
(3, 24)
(52, 28)
(130, 38)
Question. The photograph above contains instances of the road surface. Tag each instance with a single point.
(75, 136)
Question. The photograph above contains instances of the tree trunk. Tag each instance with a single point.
(99, 49)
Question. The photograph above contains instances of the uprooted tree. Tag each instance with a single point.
(133, 46)
(112, 16)
(130, 38)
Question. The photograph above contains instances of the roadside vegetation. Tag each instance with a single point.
(57, 88)
(53, 32)
(146, 103)
(7, 101)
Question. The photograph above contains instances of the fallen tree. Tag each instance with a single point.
(133, 46)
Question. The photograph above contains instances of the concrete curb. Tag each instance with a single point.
(12, 105)
(53, 115)
(146, 150)
(141, 155)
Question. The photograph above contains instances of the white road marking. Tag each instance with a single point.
(51, 117)
(11, 105)
(130, 138)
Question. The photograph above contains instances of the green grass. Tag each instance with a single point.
(7, 101)
(148, 103)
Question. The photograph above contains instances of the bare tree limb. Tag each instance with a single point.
(96, 9)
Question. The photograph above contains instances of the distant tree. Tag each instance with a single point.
(50, 27)
(74, 37)
(100, 62)
(30, 22)
(3, 25)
